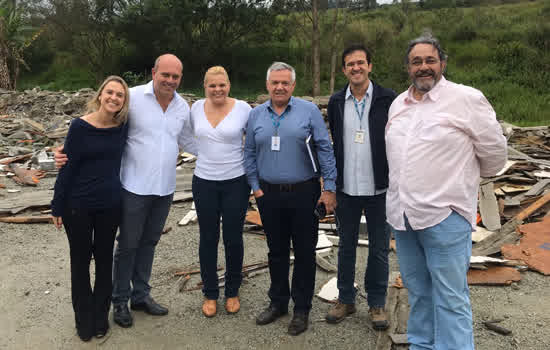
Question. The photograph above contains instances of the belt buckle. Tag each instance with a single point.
(285, 187)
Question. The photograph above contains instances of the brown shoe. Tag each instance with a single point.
(232, 305)
(209, 307)
(379, 318)
(339, 311)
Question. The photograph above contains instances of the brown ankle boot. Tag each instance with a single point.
(232, 305)
(209, 307)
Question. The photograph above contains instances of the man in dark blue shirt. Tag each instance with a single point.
(284, 137)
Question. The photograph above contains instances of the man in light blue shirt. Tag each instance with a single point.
(285, 181)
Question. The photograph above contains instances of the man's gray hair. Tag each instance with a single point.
(276, 66)
(426, 38)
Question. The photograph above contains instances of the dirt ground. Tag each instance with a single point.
(36, 312)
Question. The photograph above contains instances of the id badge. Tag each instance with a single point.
(275, 143)
(360, 136)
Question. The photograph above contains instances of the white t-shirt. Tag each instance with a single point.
(220, 149)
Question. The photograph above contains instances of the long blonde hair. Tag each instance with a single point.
(94, 104)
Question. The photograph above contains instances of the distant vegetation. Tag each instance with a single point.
(501, 47)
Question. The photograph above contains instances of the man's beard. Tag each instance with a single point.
(427, 84)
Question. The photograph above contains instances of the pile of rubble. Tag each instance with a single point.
(513, 233)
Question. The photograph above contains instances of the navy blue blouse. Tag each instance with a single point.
(91, 177)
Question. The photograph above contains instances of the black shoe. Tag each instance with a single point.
(101, 332)
(270, 314)
(122, 316)
(149, 306)
(84, 335)
(299, 323)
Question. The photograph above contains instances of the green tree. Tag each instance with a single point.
(15, 36)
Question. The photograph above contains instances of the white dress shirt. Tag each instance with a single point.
(154, 137)
(220, 149)
(437, 149)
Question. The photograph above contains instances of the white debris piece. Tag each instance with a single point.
(191, 216)
(480, 234)
(545, 174)
(486, 259)
(329, 291)
(323, 242)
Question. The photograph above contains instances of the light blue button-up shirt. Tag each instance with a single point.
(291, 164)
(358, 168)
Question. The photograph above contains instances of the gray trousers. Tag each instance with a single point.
(141, 225)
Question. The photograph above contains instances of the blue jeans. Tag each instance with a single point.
(348, 214)
(433, 263)
(141, 225)
(227, 199)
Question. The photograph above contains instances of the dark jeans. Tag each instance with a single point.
(227, 199)
(289, 216)
(141, 225)
(91, 232)
(348, 215)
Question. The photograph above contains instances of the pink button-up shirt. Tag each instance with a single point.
(437, 149)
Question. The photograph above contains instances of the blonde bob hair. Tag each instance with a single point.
(94, 104)
(215, 70)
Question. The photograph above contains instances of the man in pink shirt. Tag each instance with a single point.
(440, 138)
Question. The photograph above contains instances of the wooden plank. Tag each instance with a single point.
(488, 207)
(324, 264)
(16, 204)
(26, 219)
(534, 207)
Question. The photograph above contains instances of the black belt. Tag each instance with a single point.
(297, 187)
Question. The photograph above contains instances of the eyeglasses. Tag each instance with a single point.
(417, 62)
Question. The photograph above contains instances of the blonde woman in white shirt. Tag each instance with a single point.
(220, 187)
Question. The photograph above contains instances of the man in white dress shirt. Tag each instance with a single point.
(158, 126)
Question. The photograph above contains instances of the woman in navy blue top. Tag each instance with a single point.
(87, 202)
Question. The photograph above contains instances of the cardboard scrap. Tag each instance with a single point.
(494, 276)
(534, 246)
(253, 217)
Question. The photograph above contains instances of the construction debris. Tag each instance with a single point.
(494, 276)
(500, 330)
(534, 246)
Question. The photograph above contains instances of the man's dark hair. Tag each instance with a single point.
(355, 47)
